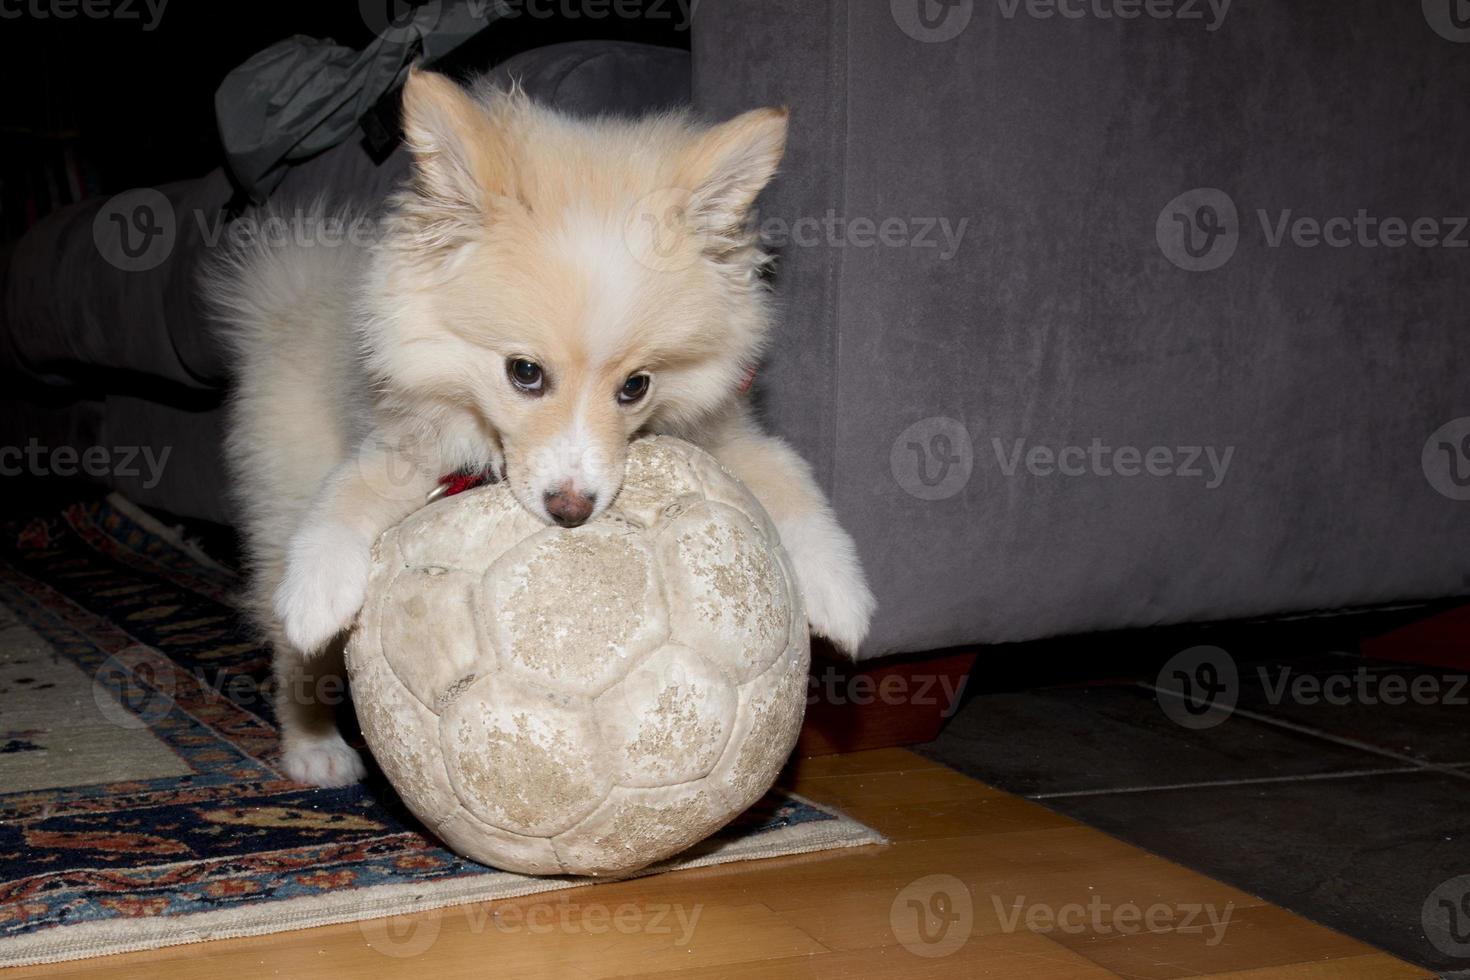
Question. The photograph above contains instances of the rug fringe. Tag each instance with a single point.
(173, 535)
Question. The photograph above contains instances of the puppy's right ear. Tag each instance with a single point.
(461, 161)
(729, 165)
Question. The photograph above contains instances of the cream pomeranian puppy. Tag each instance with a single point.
(543, 290)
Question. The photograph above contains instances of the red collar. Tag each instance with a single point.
(459, 481)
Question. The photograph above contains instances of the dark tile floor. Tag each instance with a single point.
(1333, 785)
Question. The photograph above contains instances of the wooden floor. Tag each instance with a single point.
(977, 863)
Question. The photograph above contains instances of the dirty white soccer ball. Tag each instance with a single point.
(587, 700)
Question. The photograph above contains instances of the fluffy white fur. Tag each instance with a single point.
(598, 250)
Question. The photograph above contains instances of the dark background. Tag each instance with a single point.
(99, 105)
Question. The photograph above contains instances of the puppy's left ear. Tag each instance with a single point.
(728, 165)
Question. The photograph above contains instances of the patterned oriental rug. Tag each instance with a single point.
(140, 803)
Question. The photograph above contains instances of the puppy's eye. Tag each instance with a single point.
(525, 375)
(633, 389)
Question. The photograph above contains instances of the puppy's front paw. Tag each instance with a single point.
(325, 760)
(326, 578)
(839, 604)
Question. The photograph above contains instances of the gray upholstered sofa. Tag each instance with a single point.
(1051, 381)
(1063, 317)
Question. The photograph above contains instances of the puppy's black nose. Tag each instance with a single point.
(569, 508)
